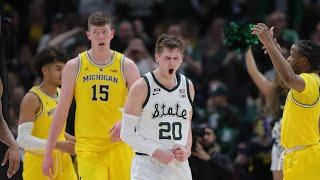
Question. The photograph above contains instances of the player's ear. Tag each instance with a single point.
(156, 57)
(112, 33)
(88, 35)
(44, 70)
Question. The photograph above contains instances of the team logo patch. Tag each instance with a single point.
(182, 93)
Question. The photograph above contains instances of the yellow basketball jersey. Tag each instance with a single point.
(299, 126)
(45, 115)
(99, 93)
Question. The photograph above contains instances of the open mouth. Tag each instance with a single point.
(170, 71)
(101, 44)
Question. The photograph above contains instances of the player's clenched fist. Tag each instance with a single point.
(164, 157)
(181, 153)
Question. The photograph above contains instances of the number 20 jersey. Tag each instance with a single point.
(165, 116)
(99, 93)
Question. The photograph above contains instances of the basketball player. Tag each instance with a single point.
(299, 127)
(98, 79)
(157, 117)
(36, 114)
(6, 137)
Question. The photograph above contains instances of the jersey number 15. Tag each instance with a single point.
(102, 90)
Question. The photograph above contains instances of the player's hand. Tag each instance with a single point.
(13, 156)
(115, 132)
(264, 33)
(47, 166)
(180, 153)
(164, 157)
(66, 146)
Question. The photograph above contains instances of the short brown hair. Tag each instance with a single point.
(98, 19)
(170, 42)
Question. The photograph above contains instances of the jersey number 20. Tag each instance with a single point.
(102, 90)
(170, 131)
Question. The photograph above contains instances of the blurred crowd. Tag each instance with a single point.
(232, 133)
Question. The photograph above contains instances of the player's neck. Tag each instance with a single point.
(167, 81)
(49, 89)
(100, 57)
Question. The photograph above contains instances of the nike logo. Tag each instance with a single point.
(155, 93)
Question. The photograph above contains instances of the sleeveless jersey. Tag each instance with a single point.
(45, 115)
(100, 91)
(165, 120)
(299, 125)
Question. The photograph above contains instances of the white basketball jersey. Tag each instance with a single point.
(165, 115)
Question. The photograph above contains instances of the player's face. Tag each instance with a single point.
(169, 61)
(100, 36)
(295, 59)
(53, 72)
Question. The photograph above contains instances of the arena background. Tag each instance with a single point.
(243, 131)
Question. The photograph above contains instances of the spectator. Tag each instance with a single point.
(140, 55)
(206, 161)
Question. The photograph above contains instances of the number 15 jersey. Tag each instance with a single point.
(165, 117)
(100, 91)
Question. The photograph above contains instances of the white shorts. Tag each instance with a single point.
(275, 157)
(145, 167)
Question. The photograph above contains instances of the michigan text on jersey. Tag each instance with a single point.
(92, 77)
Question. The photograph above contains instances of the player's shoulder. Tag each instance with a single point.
(74, 62)
(31, 98)
(129, 63)
(140, 83)
(72, 66)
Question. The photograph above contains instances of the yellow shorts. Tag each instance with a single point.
(112, 164)
(63, 167)
(302, 164)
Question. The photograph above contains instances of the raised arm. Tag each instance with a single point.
(263, 84)
(283, 68)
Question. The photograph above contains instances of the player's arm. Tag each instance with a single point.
(29, 107)
(130, 119)
(189, 141)
(264, 85)
(130, 71)
(67, 87)
(6, 137)
(181, 154)
(69, 75)
(131, 116)
(131, 74)
(281, 65)
(5, 134)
